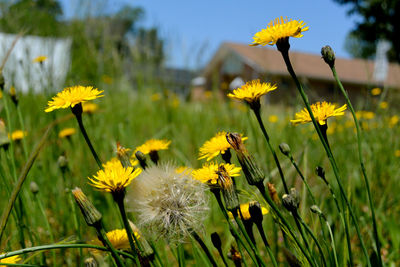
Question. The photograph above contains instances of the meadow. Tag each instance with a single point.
(45, 212)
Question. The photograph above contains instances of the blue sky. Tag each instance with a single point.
(194, 29)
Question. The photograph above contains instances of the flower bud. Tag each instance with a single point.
(216, 240)
(320, 172)
(252, 172)
(91, 215)
(285, 149)
(122, 154)
(142, 159)
(289, 202)
(2, 82)
(315, 209)
(256, 212)
(147, 250)
(34, 188)
(228, 190)
(328, 55)
(295, 195)
(91, 262)
(62, 163)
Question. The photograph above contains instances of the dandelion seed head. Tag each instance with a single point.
(168, 204)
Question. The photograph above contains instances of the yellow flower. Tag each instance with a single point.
(66, 132)
(363, 114)
(155, 97)
(397, 153)
(1, 94)
(17, 135)
(273, 118)
(244, 209)
(384, 105)
(393, 121)
(376, 91)
(215, 146)
(39, 59)
(184, 170)
(208, 172)
(252, 91)
(11, 260)
(118, 238)
(321, 111)
(278, 29)
(89, 107)
(72, 96)
(113, 178)
(153, 145)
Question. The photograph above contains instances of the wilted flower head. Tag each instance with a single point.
(71, 96)
(278, 29)
(321, 111)
(168, 204)
(215, 146)
(114, 177)
(208, 172)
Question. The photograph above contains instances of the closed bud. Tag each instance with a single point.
(91, 262)
(147, 250)
(256, 212)
(228, 190)
(328, 55)
(289, 203)
(216, 240)
(320, 172)
(62, 163)
(2, 82)
(91, 215)
(142, 159)
(13, 95)
(123, 155)
(315, 209)
(285, 149)
(252, 172)
(34, 188)
(296, 196)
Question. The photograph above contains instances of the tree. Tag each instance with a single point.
(379, 20)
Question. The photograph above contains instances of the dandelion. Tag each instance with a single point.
(39, 59)
(118, 238)
(244, 211)
(215, 146)
(376, 91)
(321, 111)
(114, 178)
(208, 172)
(17, 135)
(72, 96)
(66, 132)
(273, 118)
(152, 147)
(384, 105)
(184, 170)
(252, 91)
(168, 204)
(11, 260)
(393, 121)
(89, 108)
(280, 28)
(397, 153)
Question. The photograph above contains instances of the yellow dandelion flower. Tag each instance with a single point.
(112, 163)
(72, 96)
(114, 177)
(376, 91)
(1, 94)
(66, 132)
(11, 260)
(384, 105)
(273, 118)
(393, 121)
(252, 91)
(153, 145)
(184, 170)
(244, 209)
(278, 29)
(89, 107)
(118, 238)
(17, 135)
(208, 172)
(39, 59)
(215, 146)
(321, 111)
(397, 153)
(155, 97)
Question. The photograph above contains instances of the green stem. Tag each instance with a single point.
(21, 122)
(364, 172)
(285, 54)
(87, 139)
(205, 248)
(266, 244)
(264, 131)
(101, 234)
(332, 242)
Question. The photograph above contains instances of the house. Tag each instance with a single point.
(235, 61)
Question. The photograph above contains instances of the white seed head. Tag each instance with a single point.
(167, 204)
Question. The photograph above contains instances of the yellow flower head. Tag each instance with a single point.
(393, 121)
(17, 135)
(89, 107)
(114, 177)
(321, 111)
(215, 146)
(153, 145)
(252, 91)
(39, 59)
(278, 29)
(118, 238)
(208, 173)
(384, 105)
(184, 170)
(11, 260)
(72, 96)
(244, 209)
(376, 91)
(66, 132)
(397, 153)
